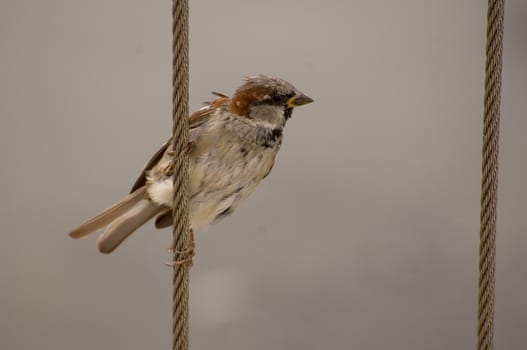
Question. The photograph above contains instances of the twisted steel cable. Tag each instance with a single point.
(180, 85)
(489, 171)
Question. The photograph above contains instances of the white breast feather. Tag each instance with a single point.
(162, 192)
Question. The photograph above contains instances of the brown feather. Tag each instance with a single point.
(126, 224)
(110, 214)
(203, 114)
(164, 220)
(219, 94)
(245, 97)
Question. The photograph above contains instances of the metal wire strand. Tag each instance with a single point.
(489, 171)
(180, 83)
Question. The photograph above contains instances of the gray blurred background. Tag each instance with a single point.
(365, 236)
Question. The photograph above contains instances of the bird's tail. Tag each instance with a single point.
(122, 219)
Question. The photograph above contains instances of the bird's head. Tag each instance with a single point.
(267, 100)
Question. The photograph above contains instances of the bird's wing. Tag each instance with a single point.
(195, 120)
(203, 114)
(141, 180)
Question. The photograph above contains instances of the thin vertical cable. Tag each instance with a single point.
(180, 85)
(489, 171)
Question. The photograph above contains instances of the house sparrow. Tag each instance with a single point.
(232, 146)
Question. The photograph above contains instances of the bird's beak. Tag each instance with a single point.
(298, 100)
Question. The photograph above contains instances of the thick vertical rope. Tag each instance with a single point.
(489, 171)
(180, 79)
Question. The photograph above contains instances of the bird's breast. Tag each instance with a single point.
(222, 173)
(223, 177)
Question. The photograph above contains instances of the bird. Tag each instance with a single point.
(232, 146)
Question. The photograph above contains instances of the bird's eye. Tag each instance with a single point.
(276, 99)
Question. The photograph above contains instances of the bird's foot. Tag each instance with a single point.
(183, 257)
